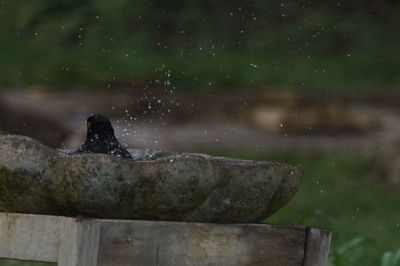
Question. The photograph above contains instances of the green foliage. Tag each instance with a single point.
(205, 44)
(391, 258)
(354, 250)
(9, 262)
(348, 253)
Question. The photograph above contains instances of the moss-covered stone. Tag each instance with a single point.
(157, 186)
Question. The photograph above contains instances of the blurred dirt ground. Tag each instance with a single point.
(201, 123)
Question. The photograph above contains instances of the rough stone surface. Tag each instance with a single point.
(154, 185)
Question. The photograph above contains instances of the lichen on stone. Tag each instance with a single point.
(154, 185)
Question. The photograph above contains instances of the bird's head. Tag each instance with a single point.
(99, 125)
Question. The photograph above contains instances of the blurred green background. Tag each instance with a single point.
(310, 83)
(303, 45)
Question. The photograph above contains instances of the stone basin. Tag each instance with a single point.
(153, 186)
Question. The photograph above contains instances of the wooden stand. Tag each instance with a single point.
(92, 242)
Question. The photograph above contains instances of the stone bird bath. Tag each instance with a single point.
(159, 208)
(153, 186)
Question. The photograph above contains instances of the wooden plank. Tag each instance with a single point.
(91, 242)
(124, 243)
(79, 242)
(317, 247)
(29, 237)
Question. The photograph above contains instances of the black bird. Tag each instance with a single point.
(101, 138)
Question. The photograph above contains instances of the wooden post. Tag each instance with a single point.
(29, 237)
(317, 247)
(79, 243)
(91, 242)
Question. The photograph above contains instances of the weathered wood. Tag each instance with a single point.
(317, 247)
(173, 243)
(29, 237)
(79, 242)
(91, 242)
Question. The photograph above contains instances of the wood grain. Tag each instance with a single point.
(174, 243)
(79, 242)
(29, 237)
(91, 242)
(317, 247)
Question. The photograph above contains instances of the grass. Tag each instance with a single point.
(9, 262)
(339, 193)
(317, 48)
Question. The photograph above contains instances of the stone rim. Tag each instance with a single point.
(169, 186)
